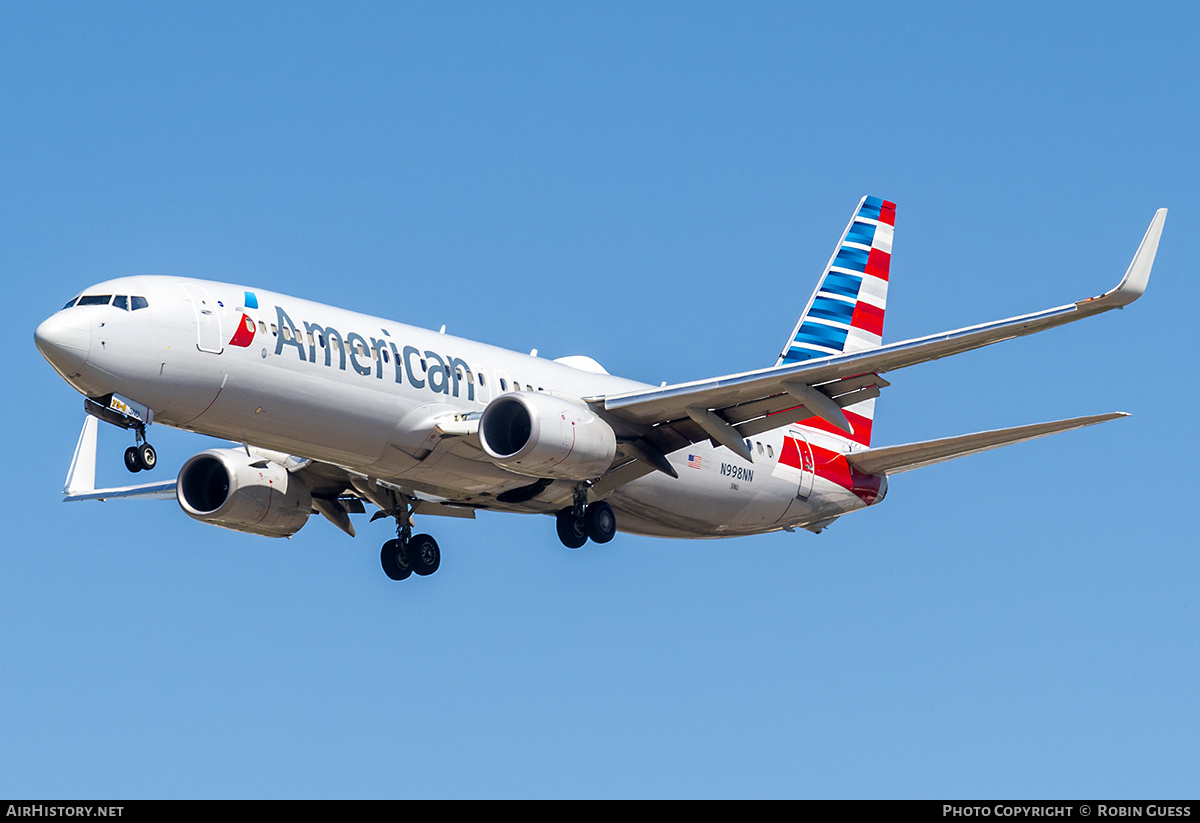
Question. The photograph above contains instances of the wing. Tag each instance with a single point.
(336, 491)
(726, 410)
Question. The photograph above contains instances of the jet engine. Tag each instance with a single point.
(541, 435)
(229, 488)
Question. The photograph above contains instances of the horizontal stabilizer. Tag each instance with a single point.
(896, 459)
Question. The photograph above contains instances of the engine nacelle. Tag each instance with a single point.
(540, 435)
(227, 487)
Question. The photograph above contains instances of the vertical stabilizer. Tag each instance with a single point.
(845, 313)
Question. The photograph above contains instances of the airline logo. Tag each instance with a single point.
(369, 355)
(243, 336)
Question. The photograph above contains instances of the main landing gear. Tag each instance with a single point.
(403, 556)
(581, 521)
(407, 553)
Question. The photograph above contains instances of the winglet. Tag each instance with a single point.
(1133, 284)
(81, 477)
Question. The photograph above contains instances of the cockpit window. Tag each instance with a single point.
(121, 301)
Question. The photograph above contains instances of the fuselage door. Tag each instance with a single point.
(799, 442)
(208, 320)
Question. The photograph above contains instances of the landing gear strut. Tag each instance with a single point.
(581, 521)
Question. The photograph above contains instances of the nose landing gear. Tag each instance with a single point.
(141, 457)
(109, 408)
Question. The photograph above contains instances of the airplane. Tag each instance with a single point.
(334, 411)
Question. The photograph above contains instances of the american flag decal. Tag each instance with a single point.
(693, 461)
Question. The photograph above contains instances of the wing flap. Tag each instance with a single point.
(897, 459)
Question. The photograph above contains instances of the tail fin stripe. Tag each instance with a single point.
(822, 335)
(830, 308)
(883, 238)
(868, 318)
(798, 354)
(845, 284)
(878, 264)
(860, 232)
(873, 291)
(851, 259)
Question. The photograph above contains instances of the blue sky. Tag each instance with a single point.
(658, 186)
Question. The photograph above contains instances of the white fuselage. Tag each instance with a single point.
(362, 393)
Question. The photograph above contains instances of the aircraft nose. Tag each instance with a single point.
(64, 339)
